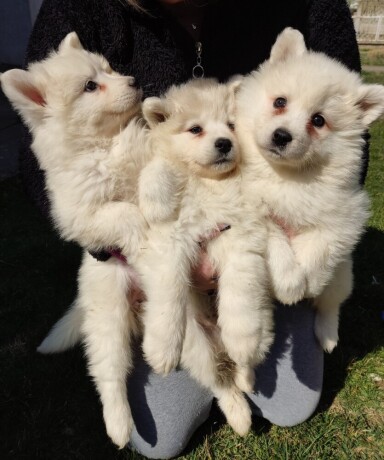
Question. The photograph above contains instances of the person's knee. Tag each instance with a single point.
(295, 412)
(172, 436)
(289, 382)
(168, 450)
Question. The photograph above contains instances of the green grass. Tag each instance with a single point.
(375, 179)
(48, 405)
(372, 55)
(374, 77)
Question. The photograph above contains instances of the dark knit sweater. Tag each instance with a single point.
(236, 36)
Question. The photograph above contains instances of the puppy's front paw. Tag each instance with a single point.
(290, 287)
(162, 355)
(326, 330)
(243, 349)
(237, 411)
(134, 236)
(118, 422)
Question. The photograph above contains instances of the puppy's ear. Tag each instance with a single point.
(288, 44)
(71, 41)
(21, 90)
(371, 102)
(154, 111)
(234, 82)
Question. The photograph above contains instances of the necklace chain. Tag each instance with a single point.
(198, 69)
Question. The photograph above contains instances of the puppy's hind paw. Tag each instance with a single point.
(237, 411)
(328, 345)
(326, 332)
(162, 359)
(119, 423)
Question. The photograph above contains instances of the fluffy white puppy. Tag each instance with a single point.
(91, 147)
(300, 121)
(193, 183)
(77, 108)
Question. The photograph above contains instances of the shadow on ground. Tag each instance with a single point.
(361, 323)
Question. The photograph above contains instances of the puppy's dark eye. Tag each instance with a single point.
(231, 126)
(318, 120)
(279, 103)
(196, 129)
(90, 86)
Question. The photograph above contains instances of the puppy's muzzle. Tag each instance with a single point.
(223, 146)
(281, 138)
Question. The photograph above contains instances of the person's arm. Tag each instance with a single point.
(90, 19)
(329, 29)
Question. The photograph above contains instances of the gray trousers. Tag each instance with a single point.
(167, 410)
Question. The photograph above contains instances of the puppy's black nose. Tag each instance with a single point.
(223, 145)
(281, 137)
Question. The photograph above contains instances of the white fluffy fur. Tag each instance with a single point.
(83, 144)
(188, 168)
(92, 149)
(91, 146)
(311, 184)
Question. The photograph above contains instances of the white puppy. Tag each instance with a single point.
(75, 107)
(300, 122)
(91, 147)
(194, 183)
(92, 150)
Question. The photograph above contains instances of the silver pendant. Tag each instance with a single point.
(198, 70)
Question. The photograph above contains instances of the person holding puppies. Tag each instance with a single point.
(165, 42)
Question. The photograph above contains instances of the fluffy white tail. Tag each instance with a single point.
(65, 334)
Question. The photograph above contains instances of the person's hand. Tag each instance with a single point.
(204, 277)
